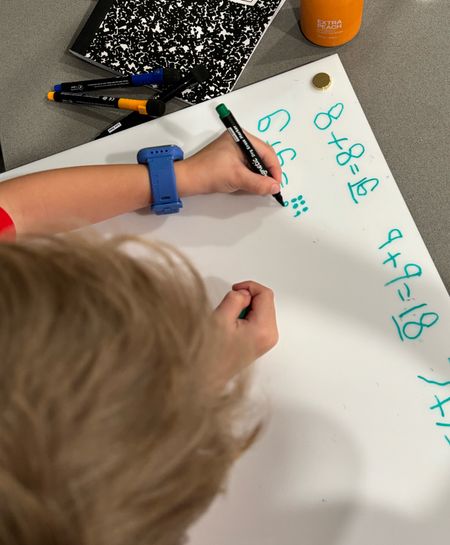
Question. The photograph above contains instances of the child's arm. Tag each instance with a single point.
(57, 200)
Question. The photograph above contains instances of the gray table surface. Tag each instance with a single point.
(398, 64)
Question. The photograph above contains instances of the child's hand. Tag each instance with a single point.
(220, 167)
(251, 337)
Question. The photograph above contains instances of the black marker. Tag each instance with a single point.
(254, 160)
(2, 162)
(143, 108)
(197, 75)
(159, 76)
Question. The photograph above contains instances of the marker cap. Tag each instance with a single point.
(200, 73)
(155, 107)
(222, 110)
(171, 75)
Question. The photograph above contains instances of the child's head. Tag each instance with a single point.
(110, 431)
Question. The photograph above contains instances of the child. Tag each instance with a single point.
(118, 418)
(115, 424)
(61, 199)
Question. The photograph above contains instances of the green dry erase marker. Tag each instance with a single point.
(244, 312)
(254, 160)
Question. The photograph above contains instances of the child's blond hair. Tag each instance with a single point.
(110, 433)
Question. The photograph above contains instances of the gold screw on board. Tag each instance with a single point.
(321, 81)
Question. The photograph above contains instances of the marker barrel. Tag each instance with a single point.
(75, 98)
(130, 120)
(153, 107)
(159, 76)
(255, 162)
(198, 74)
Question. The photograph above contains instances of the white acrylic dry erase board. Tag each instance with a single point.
(357, 449)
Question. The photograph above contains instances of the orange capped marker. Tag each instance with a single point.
(153, 106)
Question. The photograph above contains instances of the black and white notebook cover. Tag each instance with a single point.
(132, 36)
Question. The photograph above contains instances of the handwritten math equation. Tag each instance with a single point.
(416, 318)
(347, 154)
(408, 325)
(441, 389)
(277, 122)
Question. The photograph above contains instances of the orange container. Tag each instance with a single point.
(330, 22)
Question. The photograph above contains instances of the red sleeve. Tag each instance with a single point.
(7, 228)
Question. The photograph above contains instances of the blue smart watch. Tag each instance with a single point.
(159, 161)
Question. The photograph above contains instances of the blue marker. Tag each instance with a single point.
(159, 76)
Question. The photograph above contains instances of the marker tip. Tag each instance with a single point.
(279, 199)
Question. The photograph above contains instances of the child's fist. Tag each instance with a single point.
(248, 338)
(220, 167)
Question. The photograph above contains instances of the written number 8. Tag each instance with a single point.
(324, 119)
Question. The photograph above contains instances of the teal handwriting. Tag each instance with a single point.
(323, 120)
(273, 124)
(416, 318)
(298, 205)
(440, 404)
(265, 122)
(346, 157)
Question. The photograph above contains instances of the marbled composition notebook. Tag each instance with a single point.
(132, 36)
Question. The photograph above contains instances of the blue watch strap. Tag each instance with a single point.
(165, 199)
